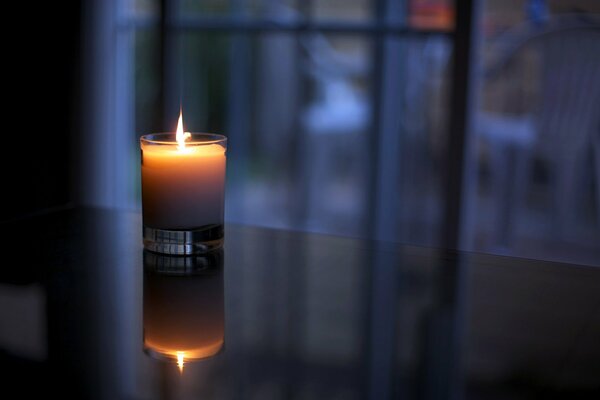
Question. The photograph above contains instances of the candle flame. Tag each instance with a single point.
(180, 362)
(181, 136)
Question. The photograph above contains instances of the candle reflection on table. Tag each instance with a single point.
(183, 307)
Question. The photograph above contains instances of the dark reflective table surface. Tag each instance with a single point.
(86, 313)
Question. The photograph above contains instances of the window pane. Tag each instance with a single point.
(335, 124)
(431, 14)
(353, 10)
(210, 8)
(206, 6)
(327, 133)
(537, 132)
(146, 86)
(143, 7)
(299, 112)
(147, 79)
(414, 135)
(204, 61)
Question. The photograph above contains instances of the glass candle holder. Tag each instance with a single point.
(183, 186)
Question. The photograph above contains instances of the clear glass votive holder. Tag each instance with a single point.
(183, 188)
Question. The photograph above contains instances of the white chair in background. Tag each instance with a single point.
(559, 127)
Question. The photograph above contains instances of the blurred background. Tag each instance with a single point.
(474, 126)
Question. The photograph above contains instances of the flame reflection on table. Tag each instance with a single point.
(183, 307)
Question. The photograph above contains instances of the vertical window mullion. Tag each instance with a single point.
(170, 69)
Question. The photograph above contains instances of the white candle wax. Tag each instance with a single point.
(182, 187)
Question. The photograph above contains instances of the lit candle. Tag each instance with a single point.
(183, 185)
(184, 317)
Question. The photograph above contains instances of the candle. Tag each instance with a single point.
(183, 315)
(183, 185)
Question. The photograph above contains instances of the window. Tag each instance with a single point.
(336, 113)
(344, 117)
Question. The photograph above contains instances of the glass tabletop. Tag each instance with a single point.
(86, 313)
